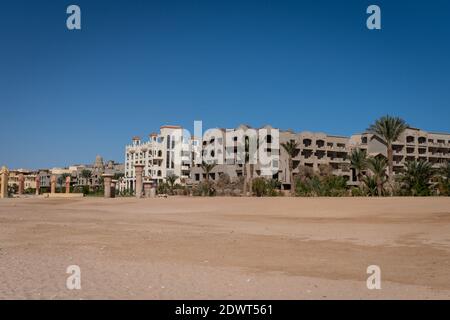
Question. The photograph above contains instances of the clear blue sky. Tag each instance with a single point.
(66, 96)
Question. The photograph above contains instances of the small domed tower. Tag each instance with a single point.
(98, 162)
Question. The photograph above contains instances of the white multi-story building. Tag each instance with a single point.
(171, 152)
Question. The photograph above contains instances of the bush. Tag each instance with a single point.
(321, 186)
(357, 192)
(259, 187)
(162, 188)
(30, 190)
(204, 189)
(12, 189)
(265, 187)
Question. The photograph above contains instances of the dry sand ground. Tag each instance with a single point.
(225, 248)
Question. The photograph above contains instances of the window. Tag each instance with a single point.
(307, 142)
(320, 143)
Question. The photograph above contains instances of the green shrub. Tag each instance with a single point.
(259, 187)
(30, 190)
(321, 186)
(204, 189)
(357, 192)
(265, 187)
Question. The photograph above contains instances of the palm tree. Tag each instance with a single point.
(370, 184)
(416, 177)
(118, 175)
(171, 179)
(248, 167)
(358, 160)
(389, 129)
(207, 168)
(290, 148)
(444, 179)
(377, 166)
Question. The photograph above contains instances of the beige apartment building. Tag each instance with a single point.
(75, 172)
(414, 144)
(29, 178)
(316, 149)
(225, 147)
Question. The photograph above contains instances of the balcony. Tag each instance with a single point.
(336, 148)
(337, 159)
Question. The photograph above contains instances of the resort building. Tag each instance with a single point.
(316, 150)
(169, 152)
(29, 178)
(80, 175)
(225, 147)
(414, 144)
(91, 174)
(313, 150)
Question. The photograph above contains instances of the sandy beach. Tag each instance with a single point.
(225, 248)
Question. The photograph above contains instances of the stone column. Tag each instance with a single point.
(107, 184)
(53, 184)
(21, 183)
(38, 184)
(139, 168)
(4, 173)
(147, 188)
(68, 184)
(113, 188)
(153, 190)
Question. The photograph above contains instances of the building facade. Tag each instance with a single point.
(169, 152)
(413, 144)
(77, 175)
(226, 148)
(316, 150)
